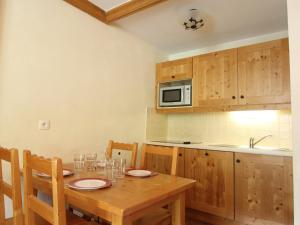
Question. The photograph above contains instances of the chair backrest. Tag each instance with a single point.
(166, 151)
(112, 145)
(13, 190)
(55, 214)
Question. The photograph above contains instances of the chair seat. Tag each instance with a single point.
(75, 220)
(8, 221)
(159, 216)
(71, 220)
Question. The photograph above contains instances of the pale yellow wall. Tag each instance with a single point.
(92, 81)
(223, 127)
(157, 125)
(294, 34)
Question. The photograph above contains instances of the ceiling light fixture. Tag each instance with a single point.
(194, 22)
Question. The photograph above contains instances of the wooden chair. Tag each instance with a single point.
(166, 151)
(13, 191)
(56, 214)
(159, 216)
(122, 146)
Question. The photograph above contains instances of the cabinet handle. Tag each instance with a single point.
(233, 97)
(238, 161)
(206, 153)
(242, 96)
(173, 76)
(180, 154)
(119, 153)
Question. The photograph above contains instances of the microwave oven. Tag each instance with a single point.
(172, 96)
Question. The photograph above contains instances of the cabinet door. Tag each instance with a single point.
(263, 71)
(213, 171)
(181, 69)
(163, 164)
(263, 189)
(215, 79)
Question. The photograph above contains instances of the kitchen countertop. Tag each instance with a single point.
(208, 146)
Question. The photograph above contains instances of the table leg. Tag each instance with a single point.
(120, 220)
(178, 210)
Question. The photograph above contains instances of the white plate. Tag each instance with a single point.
(89, 184)
(65, 174)
(77, 188)
(43, 175)
(139, 173)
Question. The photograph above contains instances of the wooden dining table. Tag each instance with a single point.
(129, 198)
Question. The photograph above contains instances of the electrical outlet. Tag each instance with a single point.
(44, 124)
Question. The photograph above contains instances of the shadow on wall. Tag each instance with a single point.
(2, 18)
(2, 5)
(2, 25)
(6, 173)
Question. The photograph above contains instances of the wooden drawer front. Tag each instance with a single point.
(213, 171)
(263, 189)
(263, 72)
(181, 69)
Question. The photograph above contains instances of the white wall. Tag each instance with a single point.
(92, 81)
(294, 34)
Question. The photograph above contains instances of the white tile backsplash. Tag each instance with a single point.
(222, 127)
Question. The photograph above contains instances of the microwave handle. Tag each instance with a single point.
(182, 94)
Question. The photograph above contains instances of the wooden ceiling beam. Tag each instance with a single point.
(129, 8)
(116, 13)
(89, 8)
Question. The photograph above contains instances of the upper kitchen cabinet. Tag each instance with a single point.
(215, 80)
(181, 69)
(263, 71)
(246, 78)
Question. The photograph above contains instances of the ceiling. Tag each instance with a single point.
(225, 21)
(106, 5)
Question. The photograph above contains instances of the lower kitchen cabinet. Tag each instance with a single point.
(214, 189)
(162, 164)
(263, 189)
(234, 188)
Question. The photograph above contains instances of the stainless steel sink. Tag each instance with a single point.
(247, 147)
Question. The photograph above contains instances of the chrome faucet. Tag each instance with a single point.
(252, 141)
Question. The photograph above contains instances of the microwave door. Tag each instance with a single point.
(171, 96)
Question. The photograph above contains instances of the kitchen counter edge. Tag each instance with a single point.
(226, 149)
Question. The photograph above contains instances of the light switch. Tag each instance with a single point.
(44, 124)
